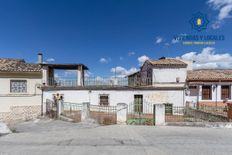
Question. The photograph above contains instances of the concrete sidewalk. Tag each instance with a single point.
(57, 137)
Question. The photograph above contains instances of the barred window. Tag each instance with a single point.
(225, 92)
(104, 100)
(138, 103)
(206, 93)
(18, 86)
(193, 90)
(168, 108)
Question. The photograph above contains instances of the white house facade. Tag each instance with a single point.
(26, 88)
(20, 95)
(209, 87)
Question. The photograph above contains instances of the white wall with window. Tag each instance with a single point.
(19, 91)
(210, 92)
(95, 97)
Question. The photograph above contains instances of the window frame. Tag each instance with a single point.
(229, 92)
(108, 99)
(193, 91)
(168, 108)
(18, 92)
(210, 92)
(138, 108)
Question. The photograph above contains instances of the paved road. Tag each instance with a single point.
(57, 137)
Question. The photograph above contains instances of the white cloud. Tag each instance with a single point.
(131, 53)
(50, 60)
(56, 75)
(174, 41)
(65, 74)
(159, 40)
(104, 60)
(224, 7)
(120, 58)
(122, 72)
(216, 24)
(88, 73)
(70, 73)
(209, 59)
(142, 59)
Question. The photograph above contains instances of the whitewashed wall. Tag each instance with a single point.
(216, 95)
(119, 96)
(167, 75)
(30, 98)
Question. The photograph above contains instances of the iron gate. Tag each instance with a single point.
(104, 114)
(51, 109)
(140, 114)
(72, 110)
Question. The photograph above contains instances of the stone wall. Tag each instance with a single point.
(21, 113)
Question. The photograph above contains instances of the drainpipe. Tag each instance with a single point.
(42, 103)
(198, 93)
(216, 95)
(184, 97)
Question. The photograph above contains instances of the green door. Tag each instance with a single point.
(138, 103)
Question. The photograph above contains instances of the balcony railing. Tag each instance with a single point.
(99, 81)
(106, 81)
(63, 82)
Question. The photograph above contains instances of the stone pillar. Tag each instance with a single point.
(121, 113)
(219, 92)
(45, 77)
(59, 108)
(78, 78)
(85, 111)
(159, 114)
(200, 93)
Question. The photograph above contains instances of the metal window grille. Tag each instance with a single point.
(18, 86)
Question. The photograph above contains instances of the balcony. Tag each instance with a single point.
(98, 81)
(88, 81)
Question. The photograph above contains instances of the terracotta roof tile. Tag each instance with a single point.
(168, 62)
(18, 65)
(209, 75)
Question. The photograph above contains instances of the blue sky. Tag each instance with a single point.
(109, 34)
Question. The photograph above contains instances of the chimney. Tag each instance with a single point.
(162, 58)
(40, 58)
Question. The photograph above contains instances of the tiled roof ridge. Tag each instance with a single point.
(210, 74)
(18, 65)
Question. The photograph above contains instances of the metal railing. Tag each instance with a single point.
(103, 114)
(217, 110)
(62, 82)
(68, 106)
(140, 114)
(99, 81)
(72, 110)
(189, 114)
(106, 81)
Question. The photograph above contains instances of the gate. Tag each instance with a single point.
(72, 110)
(140, 114)
(104, 114)
(51, 109)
